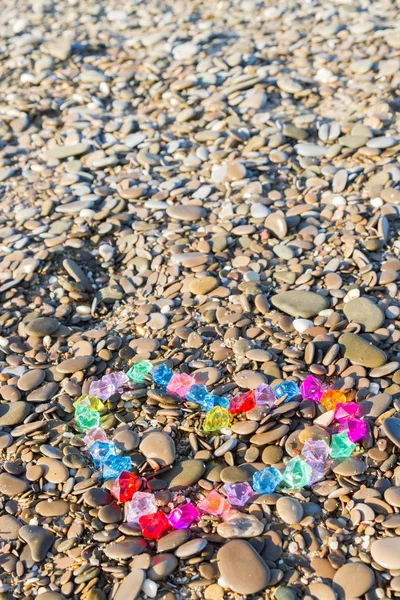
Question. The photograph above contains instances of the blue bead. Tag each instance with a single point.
(101, 451)
(286, 388)
(161, 375)
(222, 401)
(267, 480)
(208, 402)
(196, 394)
(114, 466)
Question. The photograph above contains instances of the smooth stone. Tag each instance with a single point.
(290, 510)
(131, 586)
(276, 224)
(72, 365)
(125, 549)
(38, 539)
(203, 285)
(353, 580)
(263, 439)
(61, 152)
(97, 497)
(50, 596)
(162, 566)
(365, 312)
(361, 352)
(375, 405)
(249, 380)
(272, 455)
(158, 446)
(391, 427)
(300, 303)
(43, 393)
(54, 470)
(184, 474)
(391, 495)
(310, 150)
(186, 212)
(386, 552)
(12, 486)
(321, 591)
(233, 475)
(242, 569)
(126, 440)
(350, 467)
(240, 526)
(42, 326)
(173, 540)
(30, 380)
(191, 548)
(13, 413)
(55, 508)
(285, 593)
(9, 527)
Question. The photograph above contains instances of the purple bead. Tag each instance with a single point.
(238, 494)
(264, 395)
(183, 516)
(311, 389)
(355, 428)
(318, 470)
(345, 410)
(99, 389)
(316, 451)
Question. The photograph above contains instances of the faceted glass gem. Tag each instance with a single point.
(180, 384)
(154, 525)
(345, 411)
(221, 401)
(125, 486)
(341, 446)
(238, 494)
(316, 451)
(139, 370)
(141, 504)
(318, 470)
(264, 395)
(183, 516)
(286, 388)
(90, 401)
(215, 504)
(85, 418)
(267, 480)
(101, 451)
(242, 402)
(311, 389)
(216, 419)
(97, 434)
(197, 393)
(297, 473)
(355, 428)
(101, 390)
(114, 466)
(161, 375)
(330, 398)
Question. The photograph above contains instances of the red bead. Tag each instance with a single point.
(125, 486)
(153, 526)
(242, 402)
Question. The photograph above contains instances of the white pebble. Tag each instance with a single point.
(301, 325)
(259, 211)
(150, 588)
(377, 202)
(339, 201)
(293, 548)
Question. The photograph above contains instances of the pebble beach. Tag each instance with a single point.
(213, 187)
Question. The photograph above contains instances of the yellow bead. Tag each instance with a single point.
(216, 419)
(90, 401)
(330, 398)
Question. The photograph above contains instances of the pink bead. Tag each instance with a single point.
(142, 503)
(180, 384)
(215, 504)
(355, 428)
(97, 434)
(311, 389)
(344, 411)
(183, 516)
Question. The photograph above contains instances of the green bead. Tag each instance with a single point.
(297, 473)
(341, 446)
(85, 418)
(139, 370)
(90, 401)
(216, 419)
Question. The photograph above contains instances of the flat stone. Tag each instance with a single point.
(242, 569)
(290, 510)
(61, 152)
(173, 540)
(51, 596)
(130, 587)
(350, 467)
(321, 591)
(300, 303)
(125, 549)
(12, 486)
(249, 380)
(54, 470)
(9, 527)
(158, 446)
(361, 352)
(184, 474)
(30, 380)
(391, 428)
(263, 439)
(203, 285)
(38, 539)
(13, 413)
(162, 565)
(240, 526)
(185, 212)
(72, 365)
(392, 496)
(375, 406)
(365, 312)
(191, 548)
(42, 326)
(126, 440)
(386, 552)
(97, 497)
(55, 508)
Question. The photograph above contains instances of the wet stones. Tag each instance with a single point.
(242, 569)
(240, 526)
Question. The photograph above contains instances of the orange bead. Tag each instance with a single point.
(330, 398)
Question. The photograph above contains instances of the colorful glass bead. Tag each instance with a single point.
(139, 370)
(90, 402)
(267, 480)
(199, 395)
(242, 402)
(125, 486)
(316, 451)
(330, 398)
(286, 388)
(180, 384)
(297, 473)
(221, 401)
(85, 418)
(341, 446)
(355, 428)
(216, 419)
(114, 466)
(215, 504)
(183, 516)
(96, 434)
(311, 389)
(345, 411)
(238, 494)
(264, 395)
(141, 504)
(101, 451)
(153, 525)
(318, 470)
(161, 375)
(101, 390)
